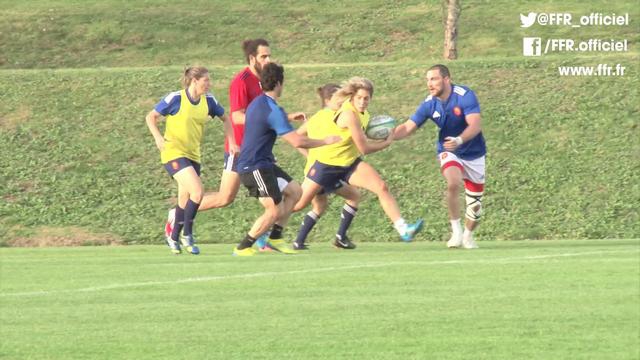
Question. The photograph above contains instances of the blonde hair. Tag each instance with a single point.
(193, 72)
(351, 87)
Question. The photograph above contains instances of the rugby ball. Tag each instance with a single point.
(379, 127)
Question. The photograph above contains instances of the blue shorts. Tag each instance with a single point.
(331, 177)
(231, 162)
(328, 191)
(178, 164)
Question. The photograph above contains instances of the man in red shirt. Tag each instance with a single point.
(244, 87)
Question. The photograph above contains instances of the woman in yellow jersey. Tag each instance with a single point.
(342, 161)
(319, 203)
(186, 111)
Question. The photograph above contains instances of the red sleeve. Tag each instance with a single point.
(238, 97)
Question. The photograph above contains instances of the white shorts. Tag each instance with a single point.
(472, 170)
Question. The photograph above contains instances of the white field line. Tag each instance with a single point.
(318, 270)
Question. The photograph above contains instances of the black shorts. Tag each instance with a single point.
(268, 182)
(178, 164)
(331, 177)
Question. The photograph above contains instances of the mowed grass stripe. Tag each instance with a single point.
(320, 270)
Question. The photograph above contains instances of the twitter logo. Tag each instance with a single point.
(527, 20)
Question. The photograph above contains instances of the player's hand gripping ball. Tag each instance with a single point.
(380, 126)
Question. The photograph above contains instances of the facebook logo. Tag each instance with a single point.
(531, 46)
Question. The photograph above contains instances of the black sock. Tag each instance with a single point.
(178, 223)
(348, 213)
(308, 223)
(276, 232)
(247, 242)
(190, 212)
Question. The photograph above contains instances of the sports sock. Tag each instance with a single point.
(308, 223)
(348, 213)
(467, 233)
(276, 232)
(401, 226)
(178, 223)
(455, 226)
(247, 242)
(190, 212)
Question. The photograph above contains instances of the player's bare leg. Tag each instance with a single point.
(267, 219)
(229, 185)
(290, 196)
(453, 176)
(261, 225)
(319, 204)
(309, 189)
(189, 182)
(366, 177)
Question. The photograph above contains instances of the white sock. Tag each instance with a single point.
(400, 225)
(456, 227)
(467, 233)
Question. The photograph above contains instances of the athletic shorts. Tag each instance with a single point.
(328, 191)
(331, 177)
(472, 170)
(231, 162)
(178, 164)
(268, 182)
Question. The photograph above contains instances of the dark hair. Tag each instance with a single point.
(193, 72)
(272, 74)
(444, 71)
(250, 47)
(325, 92)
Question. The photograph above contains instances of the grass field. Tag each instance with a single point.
(508, 300)
(78, 165)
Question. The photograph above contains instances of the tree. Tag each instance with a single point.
(451, 9)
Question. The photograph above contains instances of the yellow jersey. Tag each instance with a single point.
(183, 131)
(342, 153)
(315, 126)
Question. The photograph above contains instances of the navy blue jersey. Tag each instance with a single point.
(264, 122)
(449, 116)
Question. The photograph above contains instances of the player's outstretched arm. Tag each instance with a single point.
(302, 130)
(152, 123)
(405, 129)
(300, 141)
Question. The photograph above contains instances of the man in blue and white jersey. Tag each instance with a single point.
(264, 122)
(460, 147)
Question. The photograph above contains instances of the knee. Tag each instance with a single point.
(293, 191)
(381, 187)
(273, 213)
(453, 187)
(196, 194)
(474, 205)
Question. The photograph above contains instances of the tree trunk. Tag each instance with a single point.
(450, 20)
